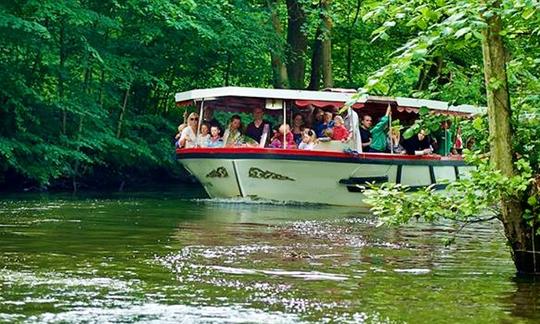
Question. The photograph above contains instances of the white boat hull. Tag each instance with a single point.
(329, 180)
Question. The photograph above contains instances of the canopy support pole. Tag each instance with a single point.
(284, 123)
(201, 111)
(390, 130)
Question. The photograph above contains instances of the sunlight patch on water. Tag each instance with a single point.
(306, 275)
(9, 277)
(413, 271)
(159, 313)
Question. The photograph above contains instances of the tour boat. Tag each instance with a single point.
(333, 173)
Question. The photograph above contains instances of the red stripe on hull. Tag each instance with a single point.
(296, 152)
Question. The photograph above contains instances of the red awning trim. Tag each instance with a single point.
(408, 109)
(324, 104)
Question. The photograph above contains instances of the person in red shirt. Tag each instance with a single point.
(339, 132)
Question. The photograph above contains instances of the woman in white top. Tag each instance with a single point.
(188, 139)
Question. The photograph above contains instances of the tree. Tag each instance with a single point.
(508, 187)
(321, 59)
(297, 40)
(279, 69)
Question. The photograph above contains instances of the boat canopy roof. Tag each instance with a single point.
(329, 98)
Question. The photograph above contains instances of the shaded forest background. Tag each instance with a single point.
(87, 87)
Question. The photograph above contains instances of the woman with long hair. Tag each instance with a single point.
(188, 138)
(298, 127)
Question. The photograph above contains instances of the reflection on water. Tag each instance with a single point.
(171, 257)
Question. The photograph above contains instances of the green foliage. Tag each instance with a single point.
(68, 67)
(467, 200)
(448, 28)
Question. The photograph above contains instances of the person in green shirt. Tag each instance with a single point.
(445, 136)
(379, 133)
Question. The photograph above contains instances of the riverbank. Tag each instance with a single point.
(129, 179)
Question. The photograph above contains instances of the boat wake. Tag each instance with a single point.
(254, 201)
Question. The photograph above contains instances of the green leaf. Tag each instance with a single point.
(462, 32)
(528, 12)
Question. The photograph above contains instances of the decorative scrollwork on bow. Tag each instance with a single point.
(220, 172)
(265, 174)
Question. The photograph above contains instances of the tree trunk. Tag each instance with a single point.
(86, 90)
(228, 68)
(101, 87)
(349, 42)
(62, 56)
(316, 61)
(429, 72)
(520, 236)
(298, 44)
(279, 70)
(122, 113)
(326, 53)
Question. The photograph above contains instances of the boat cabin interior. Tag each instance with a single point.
(282, 104)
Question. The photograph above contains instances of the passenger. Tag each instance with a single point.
(365, 134)
(394, 141)
(255, 129)
(458, 143)
(214, 140)
(309, 140)
(318, 122)
(177, 136)
(419, 144)
(277, 140)
(444, 138)
(210, 120)
(188, 137)
(202, 139)
(298, 127)
(233, 133)
(339, 131)
(379, 133)
(328, 124)
(180, 129)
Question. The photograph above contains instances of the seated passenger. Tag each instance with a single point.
(188, 138)
(233, 133)
(277, 140)
(180, 129)
(325, 129)
(256, 127)
(419, 144)
(318, 124)
(379, 133)
(458, 143)
(394, 141)
(298, 127)
(214, 140)
(339, 131)
(177, 136)
(365, 134)
(444, 136)
(309, 140)
(202, 139)
(210, 120)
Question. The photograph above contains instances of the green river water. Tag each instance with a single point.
(172, 257)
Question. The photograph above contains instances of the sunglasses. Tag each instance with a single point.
(193, 119)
